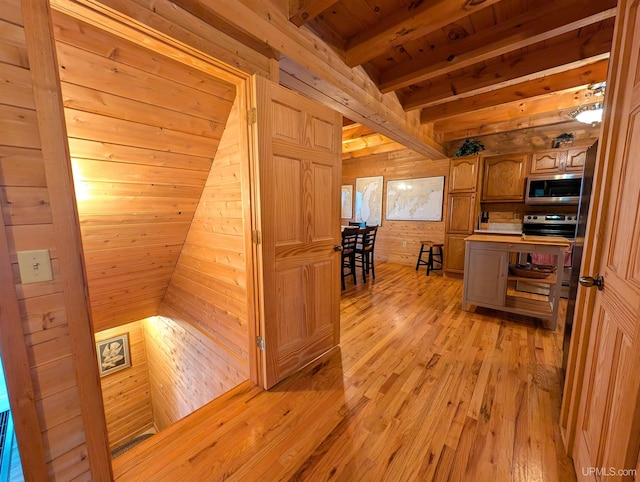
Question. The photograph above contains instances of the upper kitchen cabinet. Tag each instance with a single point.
(504, 178)
(463, 174)
(558, 160)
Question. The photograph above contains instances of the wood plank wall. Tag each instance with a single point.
(402, 164)
(125, 393)
(187, 369)
(209, 285)
(24, 198)
(143, 131)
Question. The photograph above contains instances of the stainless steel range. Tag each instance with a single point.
(548, 224)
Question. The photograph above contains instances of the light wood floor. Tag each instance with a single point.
(417, 391)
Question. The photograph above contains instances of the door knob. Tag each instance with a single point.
(590, 281)
(337, 247)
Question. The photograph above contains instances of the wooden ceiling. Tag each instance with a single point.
(495, 70)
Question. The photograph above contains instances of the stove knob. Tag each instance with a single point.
(535, 217)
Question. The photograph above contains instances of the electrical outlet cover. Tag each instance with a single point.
(35, 266)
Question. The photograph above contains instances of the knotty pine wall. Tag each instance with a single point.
(143, 131)
(125, 393)
(208, 287)
(402, 164)
(24, 198)
(187, 369)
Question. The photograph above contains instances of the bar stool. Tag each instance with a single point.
(435, 251)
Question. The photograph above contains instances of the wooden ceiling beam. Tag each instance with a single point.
(545, 87)
(524, 30)
(303, 11)
(515, 124)
(538, 137)
(355, 131)
(417, 138)
(319, 72)
(413, 21)
(573, 54)
(502, 113)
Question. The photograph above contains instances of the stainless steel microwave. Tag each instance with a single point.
(553, 189)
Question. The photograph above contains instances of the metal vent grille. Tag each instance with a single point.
(5, 444)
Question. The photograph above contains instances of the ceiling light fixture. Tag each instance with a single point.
(591, 113)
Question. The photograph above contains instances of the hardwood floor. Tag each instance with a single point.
(418, 390)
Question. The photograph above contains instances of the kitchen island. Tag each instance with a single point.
(487, 276)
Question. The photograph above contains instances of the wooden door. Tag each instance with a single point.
(463, 175)
(607, 429)
(504, 178)
(299, 164)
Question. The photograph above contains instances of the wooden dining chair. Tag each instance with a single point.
(364, 251)
(349, 241)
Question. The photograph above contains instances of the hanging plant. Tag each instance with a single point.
(469, 147)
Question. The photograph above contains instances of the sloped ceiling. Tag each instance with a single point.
(143, 131)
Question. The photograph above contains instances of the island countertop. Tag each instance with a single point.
(523, 239)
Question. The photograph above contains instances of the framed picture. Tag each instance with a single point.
(346, 200)
(415, 199)
(369, 200)
(113, 354)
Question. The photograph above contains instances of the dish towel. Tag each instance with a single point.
(550, 259)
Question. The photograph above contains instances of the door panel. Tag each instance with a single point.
(607, 433)
(299, 165)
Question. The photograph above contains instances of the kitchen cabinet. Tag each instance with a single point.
(486, 275)
(461, 213)
(558, 160)
(463, 174)
(486, 280)
(504, 178)
(454, 252)
(575, 159)
(462, 210)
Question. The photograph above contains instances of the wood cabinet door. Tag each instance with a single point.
(463, 174)
(486, 275)
(575, 159)
(607, 435)
(547, 161)
(461, 213)
(454, 247)
(299, 164)
(504, 178)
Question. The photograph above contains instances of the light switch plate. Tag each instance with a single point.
(35, 266)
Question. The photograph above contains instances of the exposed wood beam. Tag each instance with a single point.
(355, 131)
(470, 120)
(515, 124)
(541, 63)
(303, 11)
(519, 32)
(534, 138)
(414, 21)
(321, 74)
(373, 140)
(419, 140)
(547, 86)
(370, 151)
